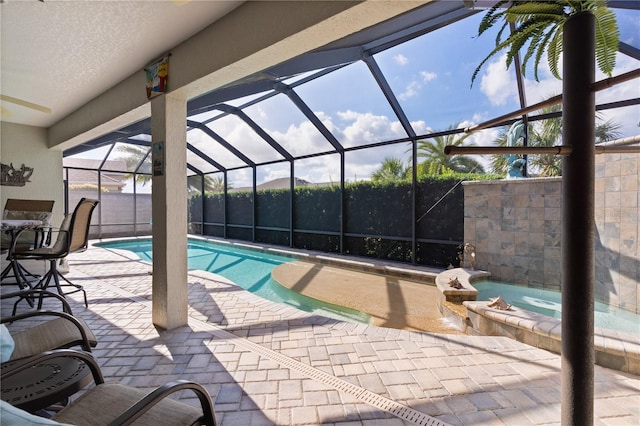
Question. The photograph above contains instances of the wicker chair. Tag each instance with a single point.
(73, 236)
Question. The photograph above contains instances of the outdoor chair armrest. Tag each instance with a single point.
(152, 398)
(64, 340)
(31, 361)
(41, 238)
(59, 248)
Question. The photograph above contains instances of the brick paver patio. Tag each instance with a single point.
(265, 363)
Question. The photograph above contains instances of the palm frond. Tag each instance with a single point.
(540, 27)
(544, 44)
(499, 34)
(492, 17)
(607, 37)
(554, 50)
(521, 12)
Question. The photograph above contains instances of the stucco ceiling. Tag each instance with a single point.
(59, 54)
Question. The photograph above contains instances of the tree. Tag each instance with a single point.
(392, 169)
(132, 155)
(499, 163)
(541, 25)
(438, 162)
(549, 133)
(212, 184)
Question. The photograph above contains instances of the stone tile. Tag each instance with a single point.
(464, 380)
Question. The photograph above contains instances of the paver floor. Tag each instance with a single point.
(269, 364)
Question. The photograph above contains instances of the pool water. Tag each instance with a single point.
(549, 303)
(249, 269)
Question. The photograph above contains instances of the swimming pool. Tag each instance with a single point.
(549, 303)
(249, 269)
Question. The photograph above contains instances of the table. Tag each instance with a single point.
(45, 384)
(13, 227)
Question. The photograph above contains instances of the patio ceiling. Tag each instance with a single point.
(61, 54)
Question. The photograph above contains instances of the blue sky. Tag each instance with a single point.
(430, 76)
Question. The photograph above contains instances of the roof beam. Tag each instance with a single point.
(221, 141)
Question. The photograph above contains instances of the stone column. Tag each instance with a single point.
(169, 211)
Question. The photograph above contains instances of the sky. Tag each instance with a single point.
(430, 76)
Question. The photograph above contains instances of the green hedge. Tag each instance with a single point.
(379, 212)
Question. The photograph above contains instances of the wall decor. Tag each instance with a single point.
(157, 156)
(157, 76)
(15, 177)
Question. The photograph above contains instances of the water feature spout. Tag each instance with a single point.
(469, 253)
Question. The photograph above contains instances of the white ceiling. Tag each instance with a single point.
(60, 54)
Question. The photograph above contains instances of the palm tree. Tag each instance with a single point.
(438, 162)
(541, 25)
(392, 169)
(212, 184)
(607, 131)
(549, 133)
(499, 163)
(132, 155)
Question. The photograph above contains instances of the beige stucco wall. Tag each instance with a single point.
(20, 144)
(515, 226)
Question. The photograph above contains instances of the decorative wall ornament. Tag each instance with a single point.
(157, 75)
(15, 177)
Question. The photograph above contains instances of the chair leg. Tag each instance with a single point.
(69, 283)
(53, 272)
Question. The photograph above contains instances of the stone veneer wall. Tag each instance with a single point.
(515, 226)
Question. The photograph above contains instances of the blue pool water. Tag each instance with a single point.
(549, 303)
(246, 268)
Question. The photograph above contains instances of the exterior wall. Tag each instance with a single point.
(115, 213)
(515, 226)
(617, 218)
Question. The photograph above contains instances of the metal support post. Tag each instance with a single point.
(578, 183)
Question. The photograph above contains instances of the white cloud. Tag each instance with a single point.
(367, 128)
(427, 76)
(628, 118)
(412, 89)
(498, 83)
(401, 59)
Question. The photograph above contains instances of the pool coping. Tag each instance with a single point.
(613, 349)
(415, 272)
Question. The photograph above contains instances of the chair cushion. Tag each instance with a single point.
(103, 403)
(57, 333)
(6, 344)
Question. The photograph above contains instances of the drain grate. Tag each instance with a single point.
(399, 410)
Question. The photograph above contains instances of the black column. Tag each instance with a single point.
(578, 262)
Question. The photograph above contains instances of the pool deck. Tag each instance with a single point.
(269, 364)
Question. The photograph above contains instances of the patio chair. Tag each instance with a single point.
(53, 329)
(73, 237)
(116, 404)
